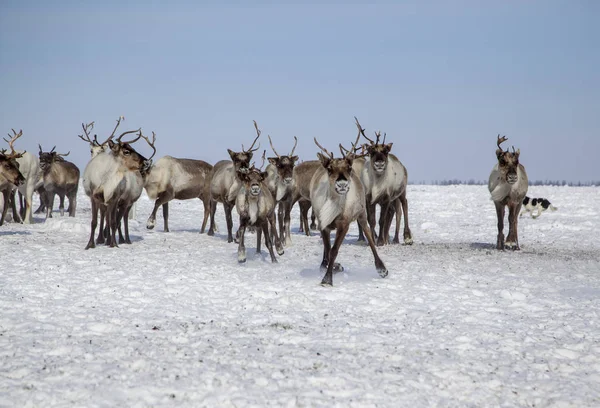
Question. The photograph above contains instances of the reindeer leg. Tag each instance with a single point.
(398, 211)
(101, 232)
(111, 218)
(304, 207)
(326, 237)
(268, 242)
(13, 205)
(383, 220)
(241, 246)
(93, 225)
(49, 204)
(166, 215)
(259, 238)
(126, 224)
(379, 265)
(72, 203)
(280, 216)
(120, 212)
(371, 215)
(274, 236)
(152, 219)
(61, 207)
(313, 217)
(500, 215)
(512, 241)
(408, 239)
(5, 207)
(213, 209)
(340, 233)
(206, 204)
(361, 235)
(228, 209)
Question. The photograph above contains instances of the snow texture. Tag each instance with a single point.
(174, 320)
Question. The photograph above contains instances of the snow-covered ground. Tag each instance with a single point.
(173, 319)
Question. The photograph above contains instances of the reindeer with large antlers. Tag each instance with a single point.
(508, 185)
(10, 177)
(59, 177)
(385, 179)
(224, 183)
(338, 198)
(280, 173)
(29, 167)
(107, 181)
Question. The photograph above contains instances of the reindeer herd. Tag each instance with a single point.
(340, 190)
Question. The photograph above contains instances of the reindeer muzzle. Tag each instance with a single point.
(20, 180)
(255, 190)
(287, 181)
(512, 178)
(379, 166)
(342, 187)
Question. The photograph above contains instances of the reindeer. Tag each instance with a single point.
(223, 183)
(9, 176)
(303, 173)
(180, 179)
(385, 179)
(106, 180)
(60, 177)
(29, 167)
(95, 147)
(338, 198)
(508, 186)
(256, 206)
(280, 176)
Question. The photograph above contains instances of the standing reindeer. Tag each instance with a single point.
(280, 173)
(95, 147)
(338, 198)
(385, 179)
(180, 179)
(508, 186)
(223, 183)
(10, 176)
(28, 165)
(256, 206)
(60, 177)
(107, 181)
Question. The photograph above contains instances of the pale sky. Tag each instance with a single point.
(441, 78)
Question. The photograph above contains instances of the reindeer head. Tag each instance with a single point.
(253, 180)
(9, 168)
(241, 160)
(378, 152)
(95, 146)
(47, 158)
(508, 162)
(338, 170)
(128, 155)
(284, 164)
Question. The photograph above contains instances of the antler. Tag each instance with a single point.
(128, 132)
(294, 148)
(151, 144)
(263, 159)
(11, 142)
(378, 135)
(361, 131)
(501, 140)
(86, 130)
(323, 149)
(272, 148)
(64, 154)
(257, 136)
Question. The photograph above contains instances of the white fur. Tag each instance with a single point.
(30, 169)
(390, 183)
(500, 189)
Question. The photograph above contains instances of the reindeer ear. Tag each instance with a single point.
(388, 147)
(518, 152)
(325, 161)
(272, 160)
(294, 159)
(112, 145)
(263, 175)
(499, 153)
(231, 153)
(350, 160)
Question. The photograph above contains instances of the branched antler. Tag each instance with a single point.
(257, 136)
(323, 149)
(501, 140)
(151, 143)
(11, 142)
(86, 130)
(294, 148)
(139, 132)
(361, 131)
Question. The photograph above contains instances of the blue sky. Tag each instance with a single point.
(442, 78)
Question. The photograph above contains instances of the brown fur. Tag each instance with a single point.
(60, 177)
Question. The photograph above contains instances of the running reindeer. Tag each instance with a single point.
(385, 179)
(223, 183)
(508, 186)
(338, 198)
(256, 206)
(280, 173)
(59, 177)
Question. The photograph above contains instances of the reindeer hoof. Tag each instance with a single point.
(337, 268)
(383, 273)
(280, 251)
(148, 226)
(407, 241)
(512, 246)
(326, 283)
(242, 260)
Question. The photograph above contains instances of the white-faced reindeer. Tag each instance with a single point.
(29, 167)
(508, 185)
(256, 206)
(280, 176)
(60, 177)
(224, 183)
(338, 199)
(106, 181)
(172, 178)
(10, 177)
(385, 179)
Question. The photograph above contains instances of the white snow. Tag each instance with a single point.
(173, 319)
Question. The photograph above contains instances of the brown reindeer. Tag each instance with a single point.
(385, 179)
(280, 176)
(508, 186)
(60, 177)
(338, 198)
(223, 183)
(256, 206)
(10, 177)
